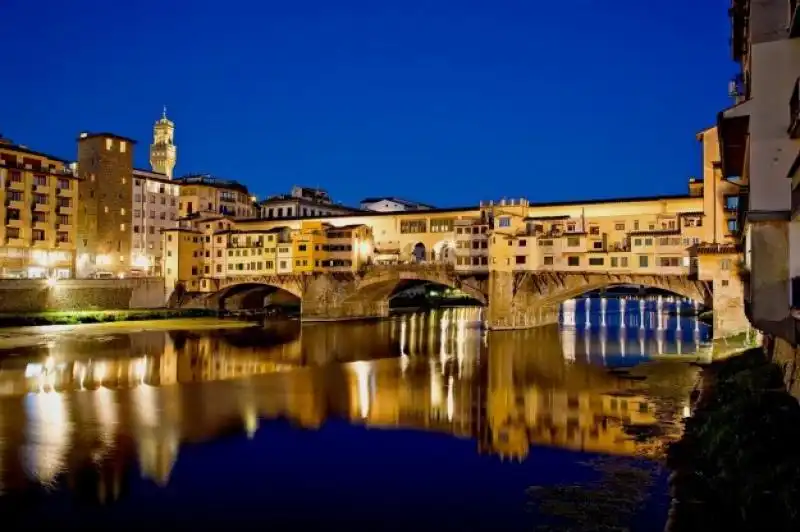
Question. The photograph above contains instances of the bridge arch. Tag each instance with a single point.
(565, 287)
(252, 295)
(381, 285)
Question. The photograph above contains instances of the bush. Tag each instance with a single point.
(98, 316)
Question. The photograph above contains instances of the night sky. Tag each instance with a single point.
(447, 101)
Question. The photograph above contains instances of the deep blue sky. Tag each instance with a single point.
(443, 101)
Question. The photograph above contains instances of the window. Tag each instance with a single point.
(623, 262)
(548, 261)
(122, 228)
(597, 244)
(523, 243)
(38, 234)
(573, 261)
(414, 226)
(619, 226)
(505, 221)
(40, 180)
(669, 262)
(643, 261)
(636, 225)
(573, 241)
(648, 241)
(64, 183)
(40, 199)
(122, 211)
(596, 261)
(443, 225)
(732, 225)
(109, 143)
(731, 203)
(546, 243)
(614, 262)
(521, 259)
(301, 247)
(122, 147)
(724, 282)
(594, 230)
(725, 264)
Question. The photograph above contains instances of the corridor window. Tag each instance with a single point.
(596, 261)
(669, 262)
(443, 225)
(414, 226)
(573, 261)
(573, 241)
(548, 261)
(619, 226)
(521, 259)
(643, 261)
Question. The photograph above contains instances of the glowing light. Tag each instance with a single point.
(365, 248)
(362, 371)
(141, 261)
(102, 260)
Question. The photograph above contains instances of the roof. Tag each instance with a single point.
(632, 199)
(24, 149)
(288, 198)
(544, 218)
(89, 135)
(147, 174)
(211, 181)
(401, 201)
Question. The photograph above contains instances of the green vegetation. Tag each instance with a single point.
(737, 466)
(76, 317)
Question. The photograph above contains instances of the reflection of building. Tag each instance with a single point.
(38, 210)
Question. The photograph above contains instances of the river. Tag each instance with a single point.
(423, 420)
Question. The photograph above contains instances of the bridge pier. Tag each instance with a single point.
(332, 298)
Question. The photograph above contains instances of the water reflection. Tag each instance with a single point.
(123, 399)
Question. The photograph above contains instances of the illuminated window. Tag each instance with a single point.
(122, 211)
(123, 146)
(105, 209)
(109, 143)
(122, 227)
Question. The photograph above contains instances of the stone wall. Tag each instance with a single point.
(28, 295)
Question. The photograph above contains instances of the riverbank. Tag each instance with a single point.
(77, 317)
(737, 466)
(30, 336)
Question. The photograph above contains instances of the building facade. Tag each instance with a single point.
(154, 208)
(204, 196)
(759, 141)
(38, 205)
(655, 236)
(301, 202)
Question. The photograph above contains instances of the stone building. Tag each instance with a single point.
(38, 196)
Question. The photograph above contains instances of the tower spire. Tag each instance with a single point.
(163, 152)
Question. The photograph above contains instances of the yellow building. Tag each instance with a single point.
(184, 258)
(38, 206)
(656, 235)
(206, 196)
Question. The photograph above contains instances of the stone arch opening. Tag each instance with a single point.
(427, 293)
(444, 251)
(688, 292)
(255, 297)
(418, 253)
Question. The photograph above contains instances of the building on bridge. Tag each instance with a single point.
(523, 258)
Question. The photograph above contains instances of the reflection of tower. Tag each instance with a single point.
(622, 303)
(163, 152)
(641, 314)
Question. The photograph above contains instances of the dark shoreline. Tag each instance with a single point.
(737, 466)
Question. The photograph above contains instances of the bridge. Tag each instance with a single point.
(515, 300)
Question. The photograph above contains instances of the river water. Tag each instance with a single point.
(423, 420)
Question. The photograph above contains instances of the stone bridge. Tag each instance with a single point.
(515, 299)
(528, 299)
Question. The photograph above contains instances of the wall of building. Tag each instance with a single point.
(105, 166)
(38, 196)
(17, 296)
(155, 208)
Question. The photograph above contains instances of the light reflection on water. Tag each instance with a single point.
(136, 398)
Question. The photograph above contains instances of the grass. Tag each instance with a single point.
(77, 317)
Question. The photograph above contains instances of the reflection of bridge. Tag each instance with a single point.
(498, 395)
(514, 299)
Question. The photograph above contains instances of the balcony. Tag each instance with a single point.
(41, 207)
(15, 241)
(794, 110)
(794, 18)
(64, 210)
(15, 185)
(64, 245)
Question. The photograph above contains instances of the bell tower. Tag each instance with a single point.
(163, 152)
